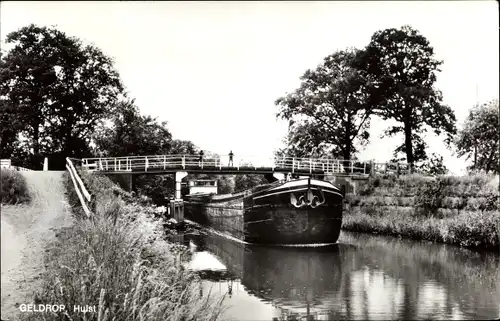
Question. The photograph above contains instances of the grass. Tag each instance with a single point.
(120, 262)
(462, 211)
(14, 189)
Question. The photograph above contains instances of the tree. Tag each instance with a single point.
(58, 89)
(131, 133)
(185, 147)
(478, 138)
(332, 102)
(247, 181)
(10, 127)
(402, 71)
(305, 139)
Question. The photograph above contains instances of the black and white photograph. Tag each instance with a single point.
(249, 160)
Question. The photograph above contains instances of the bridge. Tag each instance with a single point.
(181, 165)
(221, 164)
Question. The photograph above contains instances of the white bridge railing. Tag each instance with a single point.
(80, 188)
(222, 162)
(7, 164)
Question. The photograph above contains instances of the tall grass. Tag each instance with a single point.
(14, 189)
(456, 210)
(119, 262)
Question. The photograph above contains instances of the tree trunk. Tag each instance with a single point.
(347, 157)
(409, 147)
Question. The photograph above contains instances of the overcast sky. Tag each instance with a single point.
(214, 69)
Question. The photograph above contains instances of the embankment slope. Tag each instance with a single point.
(26, 229)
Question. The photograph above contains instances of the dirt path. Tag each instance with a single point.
(25, 231)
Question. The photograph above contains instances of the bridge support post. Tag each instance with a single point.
(178, 178)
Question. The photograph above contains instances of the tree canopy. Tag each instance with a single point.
(402, 69)
(56, 90)
(330, 106)
(129, 133)
(478, 138)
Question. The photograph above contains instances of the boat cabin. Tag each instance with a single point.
(203, 186)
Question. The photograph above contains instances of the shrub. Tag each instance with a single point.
(14, 189)
(429, 198)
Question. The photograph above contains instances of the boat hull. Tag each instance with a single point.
(297, 212)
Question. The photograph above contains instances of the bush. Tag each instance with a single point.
(14, 189)
(429, 198)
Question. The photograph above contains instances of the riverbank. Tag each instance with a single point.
(120, 263)
(453, 210)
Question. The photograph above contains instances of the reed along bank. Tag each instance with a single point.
(119, 262)
(455, 210)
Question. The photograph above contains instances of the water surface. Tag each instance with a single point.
(363, 277)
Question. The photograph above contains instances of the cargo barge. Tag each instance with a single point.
(298, 211)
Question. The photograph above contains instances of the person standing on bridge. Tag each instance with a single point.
(231, 158)
(201, 157)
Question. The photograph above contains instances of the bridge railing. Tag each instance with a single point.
(290, 164)
(7, 164)
(80, 189)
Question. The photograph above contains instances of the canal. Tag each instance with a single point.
(363, 277)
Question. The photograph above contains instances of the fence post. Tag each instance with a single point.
(183, 161)
(293, 164)
(364, 168)
(310, 166)
(164, 161)
(351, 162)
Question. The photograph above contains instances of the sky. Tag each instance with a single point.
(213, 70)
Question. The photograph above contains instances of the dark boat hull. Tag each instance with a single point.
(299, 212)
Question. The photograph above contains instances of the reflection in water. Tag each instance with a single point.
(364, 277)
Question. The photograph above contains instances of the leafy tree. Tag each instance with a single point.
(305, 139)
(247, 181)
(185, 147)
(131, 133)
(10, 127)
(332, 102)
(478, 138)
(58, 88)
(402, 70)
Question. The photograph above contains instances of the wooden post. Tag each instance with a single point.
(352, 166)
(293, 164)
(164, 161)
(310, 166)
(397, 169)
(183, 161)
(364, 168)
(177, 210)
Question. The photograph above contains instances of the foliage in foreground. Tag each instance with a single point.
(14, 189)
(119, 262)
(448, 209)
